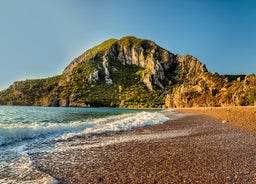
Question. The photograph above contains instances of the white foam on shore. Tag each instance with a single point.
(30, 136)
(23, 172)
(124, 122)
(122, 139)
(11, 133)
(20, 131)
(118, 123)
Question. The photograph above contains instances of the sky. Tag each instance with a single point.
(39, 38)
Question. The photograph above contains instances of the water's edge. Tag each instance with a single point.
(21, 170)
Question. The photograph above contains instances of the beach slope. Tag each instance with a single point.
(243, 117)
(189, 149)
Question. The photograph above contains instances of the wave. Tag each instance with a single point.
(119, 123)
(63, 131)
(19, 132)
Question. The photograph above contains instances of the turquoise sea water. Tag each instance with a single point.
(26, 130)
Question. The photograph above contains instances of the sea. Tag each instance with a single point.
(33, 130)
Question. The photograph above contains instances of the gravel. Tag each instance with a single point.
(191, 149)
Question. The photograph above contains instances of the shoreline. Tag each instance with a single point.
(242, 117)
(190, 148)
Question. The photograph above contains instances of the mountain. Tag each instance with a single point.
(133, 72)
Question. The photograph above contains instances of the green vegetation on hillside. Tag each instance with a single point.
(133, 72)
(28, 92)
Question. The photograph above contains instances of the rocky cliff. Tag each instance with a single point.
(133, 72)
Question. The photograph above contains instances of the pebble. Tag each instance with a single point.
(225, 121)
(215, 153)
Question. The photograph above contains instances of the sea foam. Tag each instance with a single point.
(119, 123)
(20, 131)
(11, 133)
(29, 130)
(23, 172)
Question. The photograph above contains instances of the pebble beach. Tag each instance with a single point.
(201, 146)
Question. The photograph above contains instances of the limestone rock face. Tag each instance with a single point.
(190, 67)
(133, 72)
(155, 60)
(155, 67)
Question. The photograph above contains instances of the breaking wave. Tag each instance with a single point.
(11, 133)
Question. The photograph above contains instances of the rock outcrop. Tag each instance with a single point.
(133, 72)
(145, 54)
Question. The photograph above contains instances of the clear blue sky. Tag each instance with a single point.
(38, 38)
